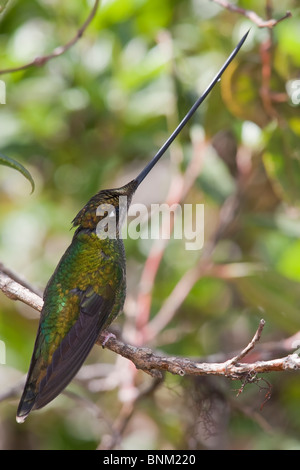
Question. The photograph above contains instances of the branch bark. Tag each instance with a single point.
(251, 15)
(155, 364)
(16, 291)
(148, 361)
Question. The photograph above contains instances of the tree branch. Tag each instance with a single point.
(250, 346)
(154, 364)
(148, 361)
(15, 291)
(39, 61)
(251, 15)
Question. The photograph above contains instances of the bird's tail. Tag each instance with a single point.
(26, 403)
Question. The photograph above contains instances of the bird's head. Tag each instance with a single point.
(107, 206)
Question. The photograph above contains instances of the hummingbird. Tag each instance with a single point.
(88, 287)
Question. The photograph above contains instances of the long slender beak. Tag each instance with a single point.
(188, 116)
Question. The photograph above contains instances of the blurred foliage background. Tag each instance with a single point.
(90, 119)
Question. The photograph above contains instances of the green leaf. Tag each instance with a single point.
(282, 163)
(288, 262)
(10, 162)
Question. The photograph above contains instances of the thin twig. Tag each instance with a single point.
(250, 346)
(39, 61)
(268, 96)
(251, 15)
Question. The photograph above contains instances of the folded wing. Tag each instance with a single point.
(74, 348)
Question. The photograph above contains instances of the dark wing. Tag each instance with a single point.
(74, 348)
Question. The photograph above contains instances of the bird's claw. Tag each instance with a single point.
(105, 337)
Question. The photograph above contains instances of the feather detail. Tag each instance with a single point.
(73, 349)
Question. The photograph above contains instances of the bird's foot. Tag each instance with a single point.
(106, 335)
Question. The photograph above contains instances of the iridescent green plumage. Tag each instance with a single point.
(87, 290)
(84, 295)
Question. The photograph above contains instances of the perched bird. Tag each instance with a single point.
(87, 289)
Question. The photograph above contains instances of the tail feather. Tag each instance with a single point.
(26, 403)
(46, 381)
